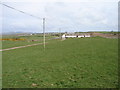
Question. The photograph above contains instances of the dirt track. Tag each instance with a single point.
(21, 47)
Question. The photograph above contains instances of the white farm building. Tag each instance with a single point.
(80, 35)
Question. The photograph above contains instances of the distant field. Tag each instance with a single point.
(74, 63)
(9, 44)
(109, 32)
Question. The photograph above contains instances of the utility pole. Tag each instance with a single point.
(44, 32)
(60, 32)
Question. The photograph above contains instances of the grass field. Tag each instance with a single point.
(74, 63)
(27, 41)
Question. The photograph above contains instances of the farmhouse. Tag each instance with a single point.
(78, 35)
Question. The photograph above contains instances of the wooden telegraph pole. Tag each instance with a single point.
(60, 32)
(44, 32)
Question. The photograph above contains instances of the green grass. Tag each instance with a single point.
(10, 44)
(73, 63)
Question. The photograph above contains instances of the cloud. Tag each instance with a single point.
(60, 0)
(66, 15)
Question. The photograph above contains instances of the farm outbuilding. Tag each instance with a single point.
(85, 35)
(80, 35)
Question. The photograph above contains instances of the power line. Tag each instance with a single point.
(20, 11)
(28, 13)
(74, 26)
(31, 16)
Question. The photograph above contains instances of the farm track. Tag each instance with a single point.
(21, 47)
(25, 45)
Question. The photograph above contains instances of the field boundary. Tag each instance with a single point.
(21, 46)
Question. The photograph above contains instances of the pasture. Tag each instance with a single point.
(27, 41)
(72, 63)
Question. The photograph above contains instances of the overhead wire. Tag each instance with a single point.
(72, 24)
(20, 11)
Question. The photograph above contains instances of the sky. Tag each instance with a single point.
(69, 16)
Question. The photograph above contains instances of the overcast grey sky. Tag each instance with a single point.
(70, 16)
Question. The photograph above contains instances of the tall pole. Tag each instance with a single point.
(44, 32)
(60, 32)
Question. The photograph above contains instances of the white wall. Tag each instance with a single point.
(83, 36)
(71, 36)
(80, 36)
(63, 36)
(87, 35)
(74, 36)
